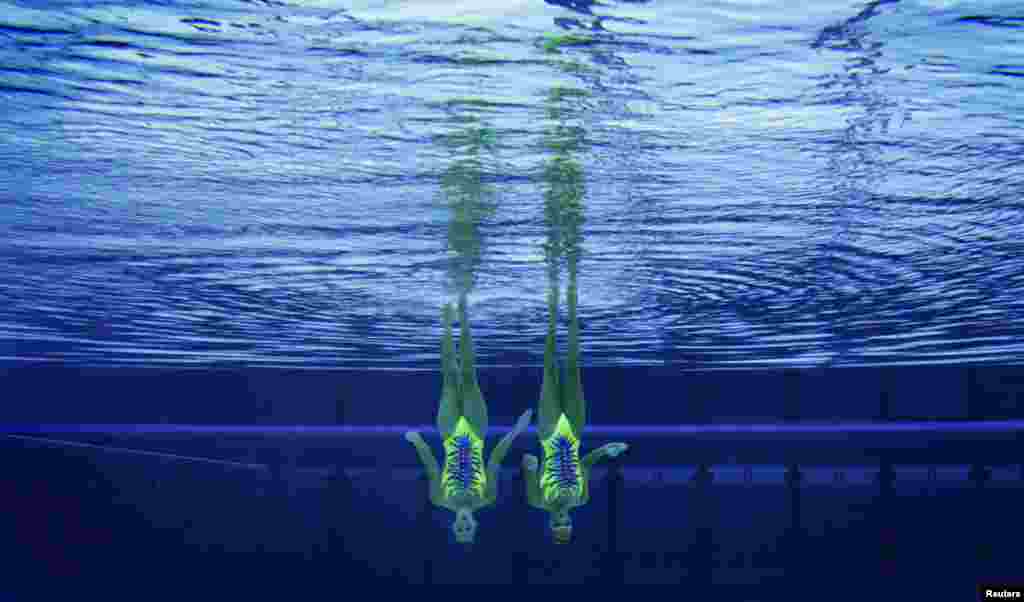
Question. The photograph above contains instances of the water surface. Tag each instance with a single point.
(279, 183)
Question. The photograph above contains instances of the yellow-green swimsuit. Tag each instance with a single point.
(562, 473)
(464, 462)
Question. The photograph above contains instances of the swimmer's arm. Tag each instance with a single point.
(609, 450)
(426, 456)
(533, 496)
(498, 455)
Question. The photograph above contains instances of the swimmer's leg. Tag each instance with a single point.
(474, 408)
(575, 404)
(449, 410)
(550, 405)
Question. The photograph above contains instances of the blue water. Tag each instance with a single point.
(227, 229)
(263, 183)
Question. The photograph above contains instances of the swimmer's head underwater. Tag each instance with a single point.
(561, 526)
(464, 526)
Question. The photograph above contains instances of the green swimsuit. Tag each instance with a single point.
(562, 473)
(464, 463)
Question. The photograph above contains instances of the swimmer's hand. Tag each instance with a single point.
(530, 463)
(413, 436)
(613, 450)
(524, 421)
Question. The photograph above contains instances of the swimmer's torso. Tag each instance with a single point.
(463, 472)
(561, 473)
